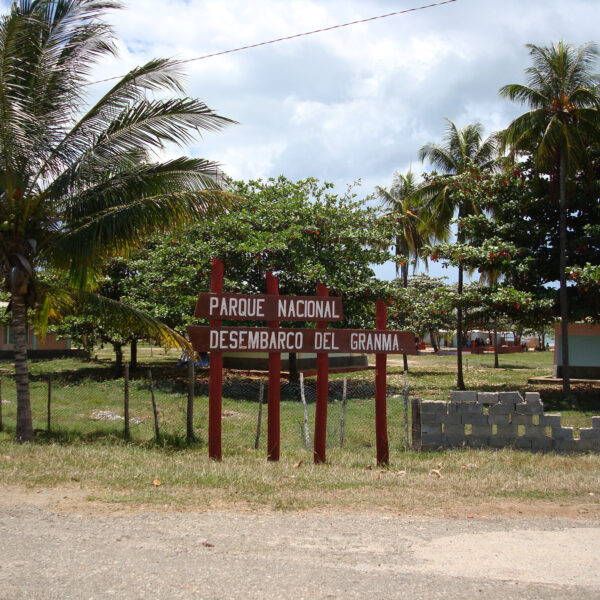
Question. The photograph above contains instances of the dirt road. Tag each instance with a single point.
(52, 553)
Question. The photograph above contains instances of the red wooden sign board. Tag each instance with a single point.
(274, 340)
(264, 339)
(263, 307)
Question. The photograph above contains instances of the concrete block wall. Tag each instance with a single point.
(499, 420)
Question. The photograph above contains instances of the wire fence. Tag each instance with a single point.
(147, 408)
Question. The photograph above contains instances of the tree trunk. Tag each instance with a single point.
(564, 308)
(460, 382)
(133, 360)
(496, 363)
(118, 348)
(19, 325)
(293, 368)
(432, 337)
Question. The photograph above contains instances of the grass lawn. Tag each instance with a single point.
(87, 453)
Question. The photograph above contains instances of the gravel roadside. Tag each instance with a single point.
(77, 554)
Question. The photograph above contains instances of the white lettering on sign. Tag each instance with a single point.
(230, 306)
(312, 308)
(374, 342)
(325, 340)
(260, 341)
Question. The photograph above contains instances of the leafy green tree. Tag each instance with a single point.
(563, 96)
(301, 231)
(78, 183)
(463, 150)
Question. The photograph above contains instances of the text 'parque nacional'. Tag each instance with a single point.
(264, 307)
(262, 339)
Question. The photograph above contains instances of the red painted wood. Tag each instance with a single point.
(250, 339)
(261, 307)
(273, 431)
(381, 435)
(215, 384)
(319, 454)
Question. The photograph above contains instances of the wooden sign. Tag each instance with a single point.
(264, 339)
(262, 307)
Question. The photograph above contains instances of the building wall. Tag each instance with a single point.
(584, 350)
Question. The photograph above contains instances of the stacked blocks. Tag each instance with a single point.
(499, 420)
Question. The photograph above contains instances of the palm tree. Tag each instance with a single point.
(564, 97)
(78, 185)
(463, 149)
(402, 207)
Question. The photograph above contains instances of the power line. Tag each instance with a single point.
(297, 35)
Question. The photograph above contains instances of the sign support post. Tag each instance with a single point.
(383, 452)
(321, 403)
(215, 385)
(273, 407)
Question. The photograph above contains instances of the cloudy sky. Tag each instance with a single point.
(353, 103)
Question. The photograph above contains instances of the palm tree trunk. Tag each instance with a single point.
(496, 363)
(133, 360)
(19, 325)
(564, 308)
(460, 382)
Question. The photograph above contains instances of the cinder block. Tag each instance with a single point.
(508, 431)
(532, 397)
(475, 419)
(455, 440)
(497, 441)
(563, 445)
(522, 419)
(431, 441)
(523, 443)
(535, 431)
(487, 397)
(460, 397)
(529, 408)
(501, 409)
(433, 406)
(475, 441)
(452, 408)
(550, 421)
(596, 422)
(583, 444)
(481, 431)
(431, 429)
(470, 408)
(510, 397)
(454, 430)
(541, 443)
(498, 419)
(589, 433)
(452, 419)
(562, 433)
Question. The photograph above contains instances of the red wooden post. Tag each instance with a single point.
(321, 404)
(273, 440)
(215, 382)
(383, 452)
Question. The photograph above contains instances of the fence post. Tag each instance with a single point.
(274, 390)
(383, 451)
(215, 378)
(1, 423)
(305, 409)
(261, 393)
(190, 400)
(406, 439)
(343, 415)
(126, 399)
(415, 405)
(49, 409)
(154, 409)
(319, 454)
